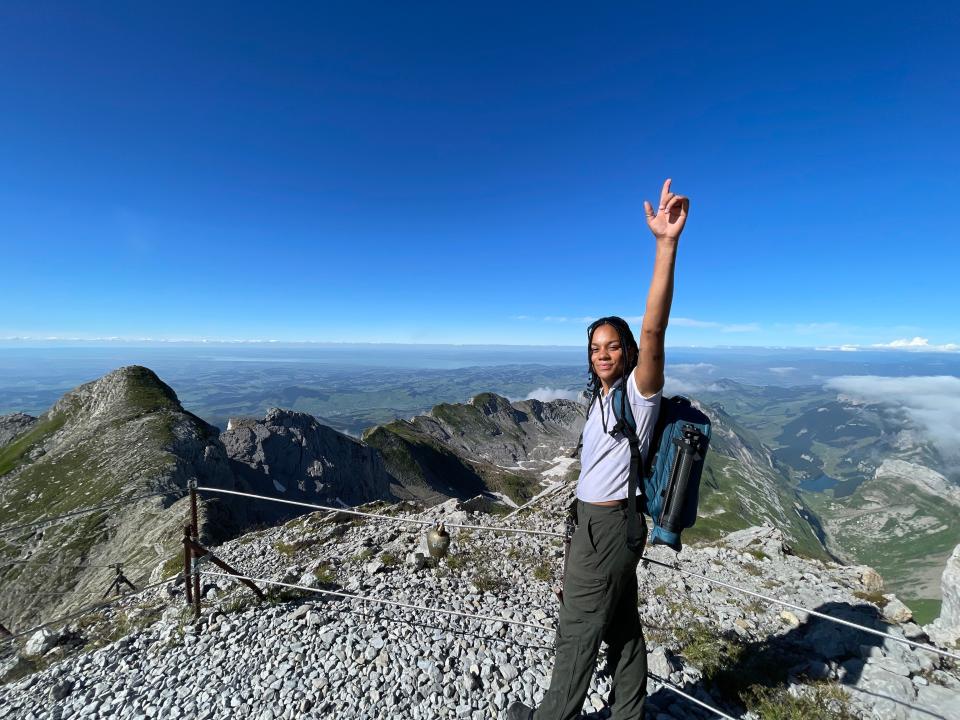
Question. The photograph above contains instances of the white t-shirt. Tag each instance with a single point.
(605, 459)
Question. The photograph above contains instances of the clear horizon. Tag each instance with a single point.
(914, 345)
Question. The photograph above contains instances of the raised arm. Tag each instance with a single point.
(666, 225)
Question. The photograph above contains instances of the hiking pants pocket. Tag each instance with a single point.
(584, 594)
(585, 583)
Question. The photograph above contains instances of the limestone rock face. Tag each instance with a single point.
(492, 428)
(950, 583)
(289, 454)
(487, 445)
(13, 425)
(40, 642)
(946, 629)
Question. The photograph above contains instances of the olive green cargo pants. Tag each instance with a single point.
(599, 603)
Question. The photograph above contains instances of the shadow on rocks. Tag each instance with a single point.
(735, 674)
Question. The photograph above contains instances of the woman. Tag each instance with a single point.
(600, 583)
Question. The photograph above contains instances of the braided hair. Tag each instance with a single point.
(628, 344)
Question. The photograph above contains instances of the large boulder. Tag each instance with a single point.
(945, 630)
(765, 538)
(41, 641)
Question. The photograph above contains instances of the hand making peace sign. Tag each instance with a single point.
(671, 215)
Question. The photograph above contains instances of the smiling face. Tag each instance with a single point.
(606, 355)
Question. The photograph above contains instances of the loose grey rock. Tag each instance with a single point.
(41, 641)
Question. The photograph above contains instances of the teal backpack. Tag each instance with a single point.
(671, 475)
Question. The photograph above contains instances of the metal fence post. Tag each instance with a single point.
(187, 580)
(195, 529)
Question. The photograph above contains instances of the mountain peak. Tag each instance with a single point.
(128, 391)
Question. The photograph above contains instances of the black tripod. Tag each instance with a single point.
(118, 582)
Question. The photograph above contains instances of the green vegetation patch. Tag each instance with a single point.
(876, 597)
(543, 572)
(15, 453)
(824, 701)
(363, 556)
(704, 648)
(147, 393)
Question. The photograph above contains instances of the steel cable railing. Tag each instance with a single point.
(522, 531)
(88, 609)
(387, 518)
(56, 519)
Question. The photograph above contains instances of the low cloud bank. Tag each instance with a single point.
(918, 343)
(932, 403)
(546, 394)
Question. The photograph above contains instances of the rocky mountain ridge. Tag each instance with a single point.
(123, 436)
(485, 445)
(126, 435)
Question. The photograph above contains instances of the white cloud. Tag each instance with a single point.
(918, 343)
(782, 370)
(685, 386)
(840, 348)
(679, 386)
(693, 367)
(932, 403)
(546, 394)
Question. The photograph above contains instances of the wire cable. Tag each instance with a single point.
(767, 598)
(670, 686)
(542, 496)
(824, 616)
(382, 601)
(387, 518)
(84, 511)
(90, 608)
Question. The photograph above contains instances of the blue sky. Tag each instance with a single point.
(412, 172)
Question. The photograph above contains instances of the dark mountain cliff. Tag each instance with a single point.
(486, 445)
(291, 454)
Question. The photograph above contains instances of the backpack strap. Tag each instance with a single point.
(633, 522)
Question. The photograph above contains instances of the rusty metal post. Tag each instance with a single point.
(187, 580)
(202, 552)
(196, 585)
(195, 528)
(194, 524)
